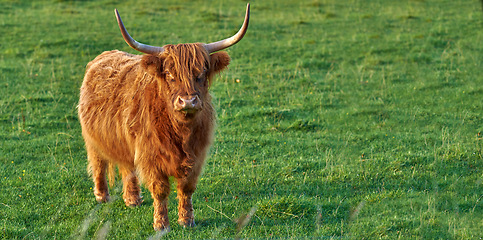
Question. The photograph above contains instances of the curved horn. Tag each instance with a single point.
(133, 43)
(220, 45)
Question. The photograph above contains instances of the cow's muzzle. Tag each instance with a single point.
(188, 104)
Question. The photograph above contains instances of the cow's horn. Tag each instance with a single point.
(220, 45)
(133, 43)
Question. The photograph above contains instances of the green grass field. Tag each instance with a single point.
(337, 119)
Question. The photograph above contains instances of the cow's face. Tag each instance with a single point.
(185, 72)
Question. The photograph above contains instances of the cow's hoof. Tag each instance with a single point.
(103, 198)
(187, 223)
(133, 201)
(162, 228)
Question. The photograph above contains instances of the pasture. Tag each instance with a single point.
(336, 119)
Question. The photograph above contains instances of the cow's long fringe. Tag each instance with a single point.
(187, 58)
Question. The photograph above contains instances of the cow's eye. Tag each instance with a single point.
(169, 76)
(201, 77)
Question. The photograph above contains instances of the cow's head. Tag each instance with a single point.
(186, 70)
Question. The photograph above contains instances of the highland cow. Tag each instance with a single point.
(151, 116)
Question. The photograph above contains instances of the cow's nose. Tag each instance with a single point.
(188, 103)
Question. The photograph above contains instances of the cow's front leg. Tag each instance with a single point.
(159, 188)
(186, 187)
(131, 191)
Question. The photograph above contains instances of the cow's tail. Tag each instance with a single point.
(111, 173)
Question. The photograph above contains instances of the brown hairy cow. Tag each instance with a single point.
(151, 115)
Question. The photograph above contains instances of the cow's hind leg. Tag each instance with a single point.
(97, 167)
(131, 191)
(186, 187)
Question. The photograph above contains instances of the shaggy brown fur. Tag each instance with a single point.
(128, 114)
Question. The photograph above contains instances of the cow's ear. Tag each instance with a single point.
(219, 61)
(153, 64)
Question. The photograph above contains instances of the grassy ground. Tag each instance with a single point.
(337, 119)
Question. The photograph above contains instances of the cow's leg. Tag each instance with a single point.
(185, 189)
(130, 188)
(159, 189)
(97, 167)
(158, 184)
